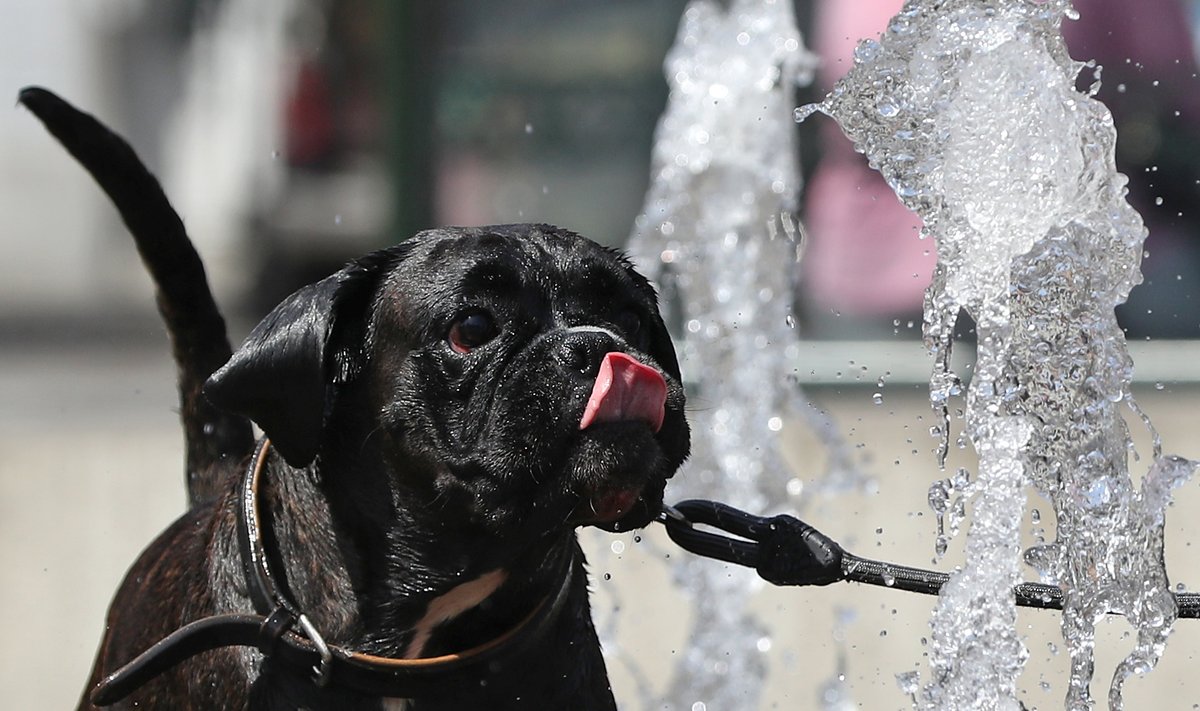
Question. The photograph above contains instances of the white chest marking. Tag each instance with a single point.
(451, 604)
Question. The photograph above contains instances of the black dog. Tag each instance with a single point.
(441, 416)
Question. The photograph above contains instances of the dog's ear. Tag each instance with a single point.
(284, 376)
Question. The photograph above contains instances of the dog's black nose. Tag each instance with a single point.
(583, 348)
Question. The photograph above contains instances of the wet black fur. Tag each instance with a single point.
(403, 468)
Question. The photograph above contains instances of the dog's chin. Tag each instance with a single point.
(618, 475)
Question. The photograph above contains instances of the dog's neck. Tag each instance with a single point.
(394, 579)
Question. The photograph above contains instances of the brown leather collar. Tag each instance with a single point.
(281, 630)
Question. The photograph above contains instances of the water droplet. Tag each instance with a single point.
(939, 495)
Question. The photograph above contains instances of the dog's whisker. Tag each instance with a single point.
(440, 499)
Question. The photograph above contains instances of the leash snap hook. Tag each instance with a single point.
(739, 548)
(671, 514)
(321, 672)
(782, 549)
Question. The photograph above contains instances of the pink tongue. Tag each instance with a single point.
(626, 390)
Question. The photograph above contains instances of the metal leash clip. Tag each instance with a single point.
(321, 674)
(783, 549)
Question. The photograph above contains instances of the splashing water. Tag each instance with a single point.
(717, 235)
(969, 110)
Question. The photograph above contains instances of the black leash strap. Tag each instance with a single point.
(280, 630)
(787, 551)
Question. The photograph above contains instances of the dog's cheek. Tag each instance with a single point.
(424, 402)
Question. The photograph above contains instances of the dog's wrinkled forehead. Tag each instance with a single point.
(535, 267)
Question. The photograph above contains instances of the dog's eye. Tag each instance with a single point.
(471, 330)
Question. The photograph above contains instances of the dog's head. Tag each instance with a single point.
(520, 375)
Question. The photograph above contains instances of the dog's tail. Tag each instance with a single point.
(195, 325)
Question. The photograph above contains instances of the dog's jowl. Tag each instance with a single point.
(438, 417)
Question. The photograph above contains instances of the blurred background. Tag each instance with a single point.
(295, 134)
